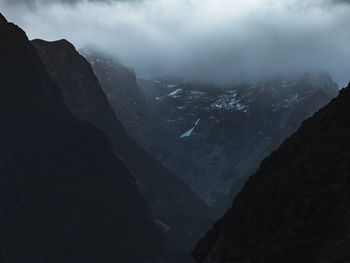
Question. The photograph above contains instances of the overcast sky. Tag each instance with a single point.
(209, 40)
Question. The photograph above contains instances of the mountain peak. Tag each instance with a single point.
(46, 156)
(61, 43)
(2, 19)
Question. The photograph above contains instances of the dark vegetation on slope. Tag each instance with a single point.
(295, 208)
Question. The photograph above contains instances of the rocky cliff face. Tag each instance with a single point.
(174, 207)
(228, 131)
(64, 195)
(295, 208)
(124, 95)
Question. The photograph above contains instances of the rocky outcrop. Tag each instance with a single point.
(295, 208)
(64, 196)
(228, 131)
(124, 95)
(174, 207)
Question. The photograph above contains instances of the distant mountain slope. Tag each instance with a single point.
(295, 208)
(125, 97)
(129, 104)
(176, 209)
(228, 131)
(64, 196)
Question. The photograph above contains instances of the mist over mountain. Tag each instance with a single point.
(129, 127)
(181, 215)
(217, 41)
(227, 132)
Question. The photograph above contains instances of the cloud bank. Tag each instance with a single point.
(207, 40)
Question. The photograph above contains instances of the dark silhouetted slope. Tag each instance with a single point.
(174, 207)
(295, 208)
(64, 196)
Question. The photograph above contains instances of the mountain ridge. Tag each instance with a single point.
(173, 206)
(64, 195)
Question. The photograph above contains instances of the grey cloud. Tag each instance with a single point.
(47, 2)
(208, 40)
(342, 1)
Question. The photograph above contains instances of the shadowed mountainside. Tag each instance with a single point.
(174, 207)
(295, 208)
(64, 196)
(128, 102)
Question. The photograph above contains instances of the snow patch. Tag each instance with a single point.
(190, 131)
(229, 101)
(197, 93)
(174, 93)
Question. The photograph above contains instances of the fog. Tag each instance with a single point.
(208, 40)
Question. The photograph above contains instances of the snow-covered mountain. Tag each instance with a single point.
(228, 131)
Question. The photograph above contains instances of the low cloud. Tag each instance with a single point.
(208, 40)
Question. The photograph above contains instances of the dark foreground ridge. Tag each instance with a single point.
(295, 208)
(64, 196)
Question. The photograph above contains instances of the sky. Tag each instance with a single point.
(220, 41)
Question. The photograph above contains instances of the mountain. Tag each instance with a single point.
(295, 208)
(227, 131)
(129, 104)
(174, 207)
(64, 196)
(124, 95)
